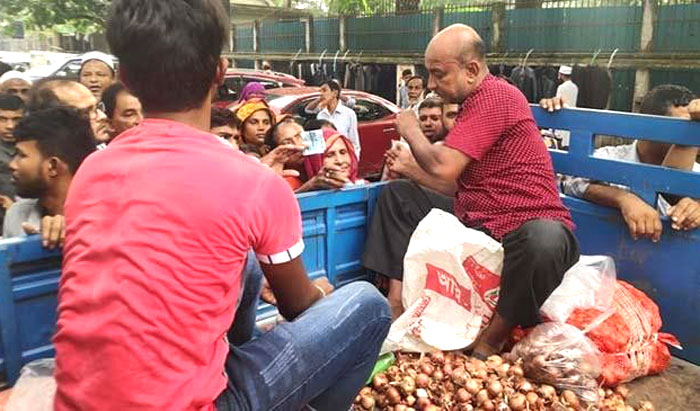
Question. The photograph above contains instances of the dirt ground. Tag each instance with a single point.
(678, 388)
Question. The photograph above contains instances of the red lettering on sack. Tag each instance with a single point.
(485, 282)
(445, 284)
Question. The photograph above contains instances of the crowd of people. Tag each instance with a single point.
(171, 210)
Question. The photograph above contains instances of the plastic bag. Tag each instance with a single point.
(35, 388)
(561, 355)
(629, 339)
(450, 289)
(590, 283)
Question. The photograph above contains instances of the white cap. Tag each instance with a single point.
(565, 70)
(97, 55)
(14, 75)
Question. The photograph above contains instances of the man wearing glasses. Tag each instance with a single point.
(60, 92)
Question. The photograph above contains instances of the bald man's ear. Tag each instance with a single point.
(473, 68)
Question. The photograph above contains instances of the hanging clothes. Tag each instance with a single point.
(525, 79)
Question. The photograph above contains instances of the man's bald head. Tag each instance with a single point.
(459, 42)
(456, 62)
(50, 93)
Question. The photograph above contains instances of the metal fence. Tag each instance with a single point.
(406, 33)
(542, 25)
(326, 35)
(282, 35)
(244, 37)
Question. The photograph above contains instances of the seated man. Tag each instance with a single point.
(54, 92)
(122, 108)
(642, 219)
(159, 226)
(504, 186)
(51, 145)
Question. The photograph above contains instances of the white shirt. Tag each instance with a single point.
(568, 91)
(577, 186)
(345, 121)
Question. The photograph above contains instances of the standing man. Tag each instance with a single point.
(97, 72)
(403, 90)
(343, 118)
(567, 90)
(51, 145)
(122, 108)
(416, 90)
(449, 116)
(11, 108)
(16, 83)
(49, 93)
(504, 186)
(430, 117)
(159, 226)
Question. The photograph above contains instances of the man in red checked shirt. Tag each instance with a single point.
(504, 186)
(156, 258)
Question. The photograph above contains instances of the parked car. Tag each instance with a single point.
(65, 67)
(375, 117)
(236, 79)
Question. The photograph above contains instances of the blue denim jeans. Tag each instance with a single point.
(319, 360)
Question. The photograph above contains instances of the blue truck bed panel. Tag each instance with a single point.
(335, 225)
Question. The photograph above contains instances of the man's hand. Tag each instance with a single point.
(642, 219)
(694, 109)
(53, 231)
(407, 122)
(266, 293)
(685, 215)
(324, 285)
(281, 155)
(6, 202)
(399, 159)
(552, 104)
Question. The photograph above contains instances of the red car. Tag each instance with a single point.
(375, 118)
(236, 79)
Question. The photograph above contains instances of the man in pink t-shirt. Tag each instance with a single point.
(159, 228)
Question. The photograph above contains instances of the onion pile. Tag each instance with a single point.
(454, 382)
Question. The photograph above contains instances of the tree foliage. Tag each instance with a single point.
(67, 16)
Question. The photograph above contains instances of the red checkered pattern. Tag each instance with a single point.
(510, 180)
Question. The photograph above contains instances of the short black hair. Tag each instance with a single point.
(42, 94)
(59, 132)
(11, 102)
(661, 98)
(317, 124)
(109, 97)
(432, 102)
(334, 85)
(223, 117)
(416, 77)
(407, 72)
(168, 50)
